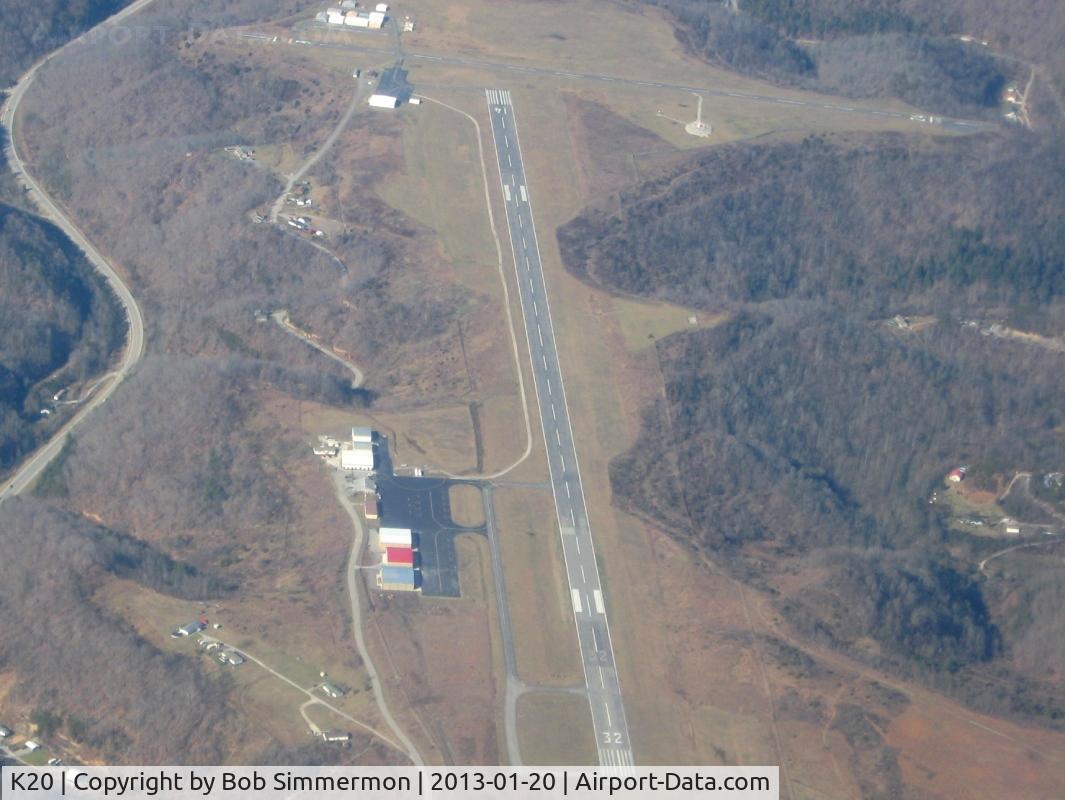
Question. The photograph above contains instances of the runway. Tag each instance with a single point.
(586, 592)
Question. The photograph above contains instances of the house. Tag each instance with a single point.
(5, 732)
(188, 630)
(332, 690)
(957, 475)
(32, 746)
(370, 508)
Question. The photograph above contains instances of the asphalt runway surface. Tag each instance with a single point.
(582, 571)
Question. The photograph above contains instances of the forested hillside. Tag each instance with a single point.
(808, 432)
(880, 222)
(33, 29)
(907, 49)
(62, 324)
(88, 673)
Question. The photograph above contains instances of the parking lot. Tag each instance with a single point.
(424, 506)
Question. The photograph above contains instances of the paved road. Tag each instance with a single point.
(589, 610)
(33, 467)
(838, 107)
(357, 544)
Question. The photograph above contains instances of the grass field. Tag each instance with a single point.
(554, 729)
(538, 598)
(441, 659)
(467, 507)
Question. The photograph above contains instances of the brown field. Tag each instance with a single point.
(554, 729)
(539, 603)
(267, 701)
(467, 507)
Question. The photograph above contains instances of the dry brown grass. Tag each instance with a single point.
(441, 658)
(467, 506)
(539, 604)
(555, 729)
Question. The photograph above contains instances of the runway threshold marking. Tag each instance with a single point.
(597, 598)
(576, 595)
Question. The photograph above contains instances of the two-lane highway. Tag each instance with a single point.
(586, 591)
(28, 472)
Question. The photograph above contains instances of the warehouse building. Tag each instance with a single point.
(399, 556)
(358, 457)
(397, 579)
(395, 537)
(392, 88)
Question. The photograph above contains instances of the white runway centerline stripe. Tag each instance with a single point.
(584, 581)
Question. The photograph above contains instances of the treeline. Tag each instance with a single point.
(62, 325)
(814, 428)
(821, 431)
(183, 452)
(87, 674)
(816, 19)
(824, 435)
(863, 50)
(31, 30)
(941, 225)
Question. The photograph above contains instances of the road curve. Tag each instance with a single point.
(32, 468)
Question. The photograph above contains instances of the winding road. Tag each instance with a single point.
(49, 209)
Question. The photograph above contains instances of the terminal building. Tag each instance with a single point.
(358, 456)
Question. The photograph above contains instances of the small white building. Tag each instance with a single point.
(334, 16)
(32, 746)
(382, 8)
(384, 101)
(360, 434)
